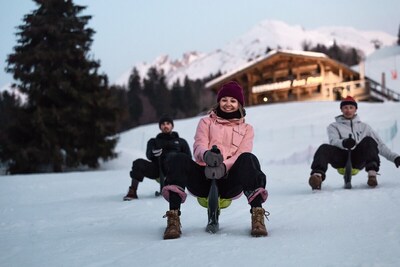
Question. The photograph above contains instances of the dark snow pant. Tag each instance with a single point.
(142, 168)
(365, 154)
(244, 176)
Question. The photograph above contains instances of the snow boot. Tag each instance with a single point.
(372, 182)
(315, 181)
(173, 229)
(131, 194)
(257, 221)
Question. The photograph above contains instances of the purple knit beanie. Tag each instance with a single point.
(232, 89)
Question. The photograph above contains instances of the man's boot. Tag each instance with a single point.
(372, 182)
(173, 229)
(132, 192)
(257, 222)
(132, 189)
(315, 181)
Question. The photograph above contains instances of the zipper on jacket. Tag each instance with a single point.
(351, 126)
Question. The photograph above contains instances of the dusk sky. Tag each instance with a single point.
(129, 32)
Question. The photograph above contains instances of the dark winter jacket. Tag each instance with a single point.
(170, 143)
(339, 130)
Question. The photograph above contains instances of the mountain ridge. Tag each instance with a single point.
(250, 45)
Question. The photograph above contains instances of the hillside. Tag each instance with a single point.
(79, 219)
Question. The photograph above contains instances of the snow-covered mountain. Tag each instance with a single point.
(268, 33)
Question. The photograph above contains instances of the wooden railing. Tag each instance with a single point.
(361, 89)
(385, 92)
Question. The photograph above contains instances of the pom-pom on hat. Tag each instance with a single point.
(232, 89)
(348, 101)
(165, 118)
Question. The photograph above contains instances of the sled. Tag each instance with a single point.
(161, 179)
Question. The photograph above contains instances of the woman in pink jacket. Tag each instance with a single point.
(236, 169)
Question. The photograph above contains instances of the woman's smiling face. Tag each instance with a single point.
(228, 104)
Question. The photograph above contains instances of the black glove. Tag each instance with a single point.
(157, 152)
(397, 161)
(215, 172)
(349, 143)
(213, 159)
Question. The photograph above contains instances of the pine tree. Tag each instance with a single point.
(177, 100)
(120, 95)
(398, 37)
(306, 45)
(9, 105)
(347, 55)
(190, 100)
(155, 88)
(377, 43)
(70, 115)
(9, 110)
(335, 52)
(135, 105)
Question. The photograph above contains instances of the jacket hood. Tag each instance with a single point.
(342, 119)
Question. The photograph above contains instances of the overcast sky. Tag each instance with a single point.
(129, 32)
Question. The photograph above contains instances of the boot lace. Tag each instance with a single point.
(172, 219)
(266, 214)
(259, 214)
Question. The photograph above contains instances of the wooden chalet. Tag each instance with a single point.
(282, 76)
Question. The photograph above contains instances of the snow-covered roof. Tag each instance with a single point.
(268, 55)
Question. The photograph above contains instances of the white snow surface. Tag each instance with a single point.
(79, 218)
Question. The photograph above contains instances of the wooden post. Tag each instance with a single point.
(362, 70)
(383, 82)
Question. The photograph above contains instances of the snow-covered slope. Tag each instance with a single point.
(385, 60)
(79, 219)
(268, 33)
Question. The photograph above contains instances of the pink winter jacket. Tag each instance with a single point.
(233, 137)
